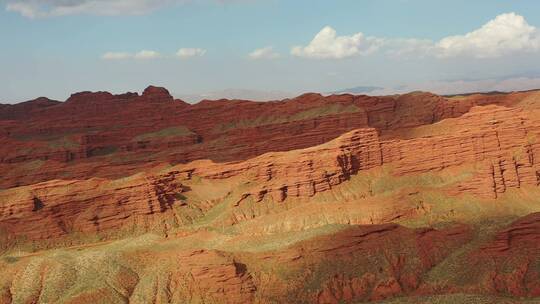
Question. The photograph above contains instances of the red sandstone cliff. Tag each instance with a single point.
(132, 130)
(104, 167)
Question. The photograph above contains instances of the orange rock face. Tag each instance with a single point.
(215, 276)
(133, 130)
(55, 208)
(500, 141)
(313, 199)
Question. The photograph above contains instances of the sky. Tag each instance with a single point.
(266, 47)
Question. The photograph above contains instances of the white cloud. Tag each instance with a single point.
(264, 53)
(53, 8)
(505, 34)
(144, 54)
(25, 9)
(190, 52)
(116, 55)
(327, 45)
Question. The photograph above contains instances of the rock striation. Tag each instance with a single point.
(49, 210)
(319, 199)
(499, 142)
(127, 126)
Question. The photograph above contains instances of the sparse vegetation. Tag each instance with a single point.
(11, 259)
(171, 132)
(262, 120)
(63, 143)
(102, 151)
(33, 165)
(532, 138)
(180, 196)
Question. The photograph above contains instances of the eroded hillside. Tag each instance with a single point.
(147, 199)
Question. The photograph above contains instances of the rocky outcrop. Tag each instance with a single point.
(223, 130)
(500, 142)
(303, 173)
(90, 97)
(50, 210)
(156, 94)
(368, 262)
(99, 205)
(508, 264)
(523, 234)
(102, 167)
(24, 110)
(217, 277)
(198, 276)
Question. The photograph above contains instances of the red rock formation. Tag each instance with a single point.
(52, 209)
(500, 140)
(303, 173)
(217, 277)
(523, 234)
(511, 259)
(388, 267)
(497, 139)
(90, 97)
(120, 165)
(156, 94)
(24, 109)
(93, 124)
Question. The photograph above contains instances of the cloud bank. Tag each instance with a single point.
(183, 53)
(506, 34)
(190, 52)
(144, 54)
(264, 53)
(327, 45)
(54, 8)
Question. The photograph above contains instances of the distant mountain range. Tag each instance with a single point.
(255, 95)
(262, 95)
(357, 90)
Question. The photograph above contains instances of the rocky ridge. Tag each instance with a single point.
(360, 198)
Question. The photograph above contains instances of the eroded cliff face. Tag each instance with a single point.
(501, 143)
(496, 141)
(126, 131)
(512, 258)
(48, 210)
(314, 199)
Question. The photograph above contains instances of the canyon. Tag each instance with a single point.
(144, 198)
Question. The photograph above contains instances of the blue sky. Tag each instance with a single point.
(56, 47)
